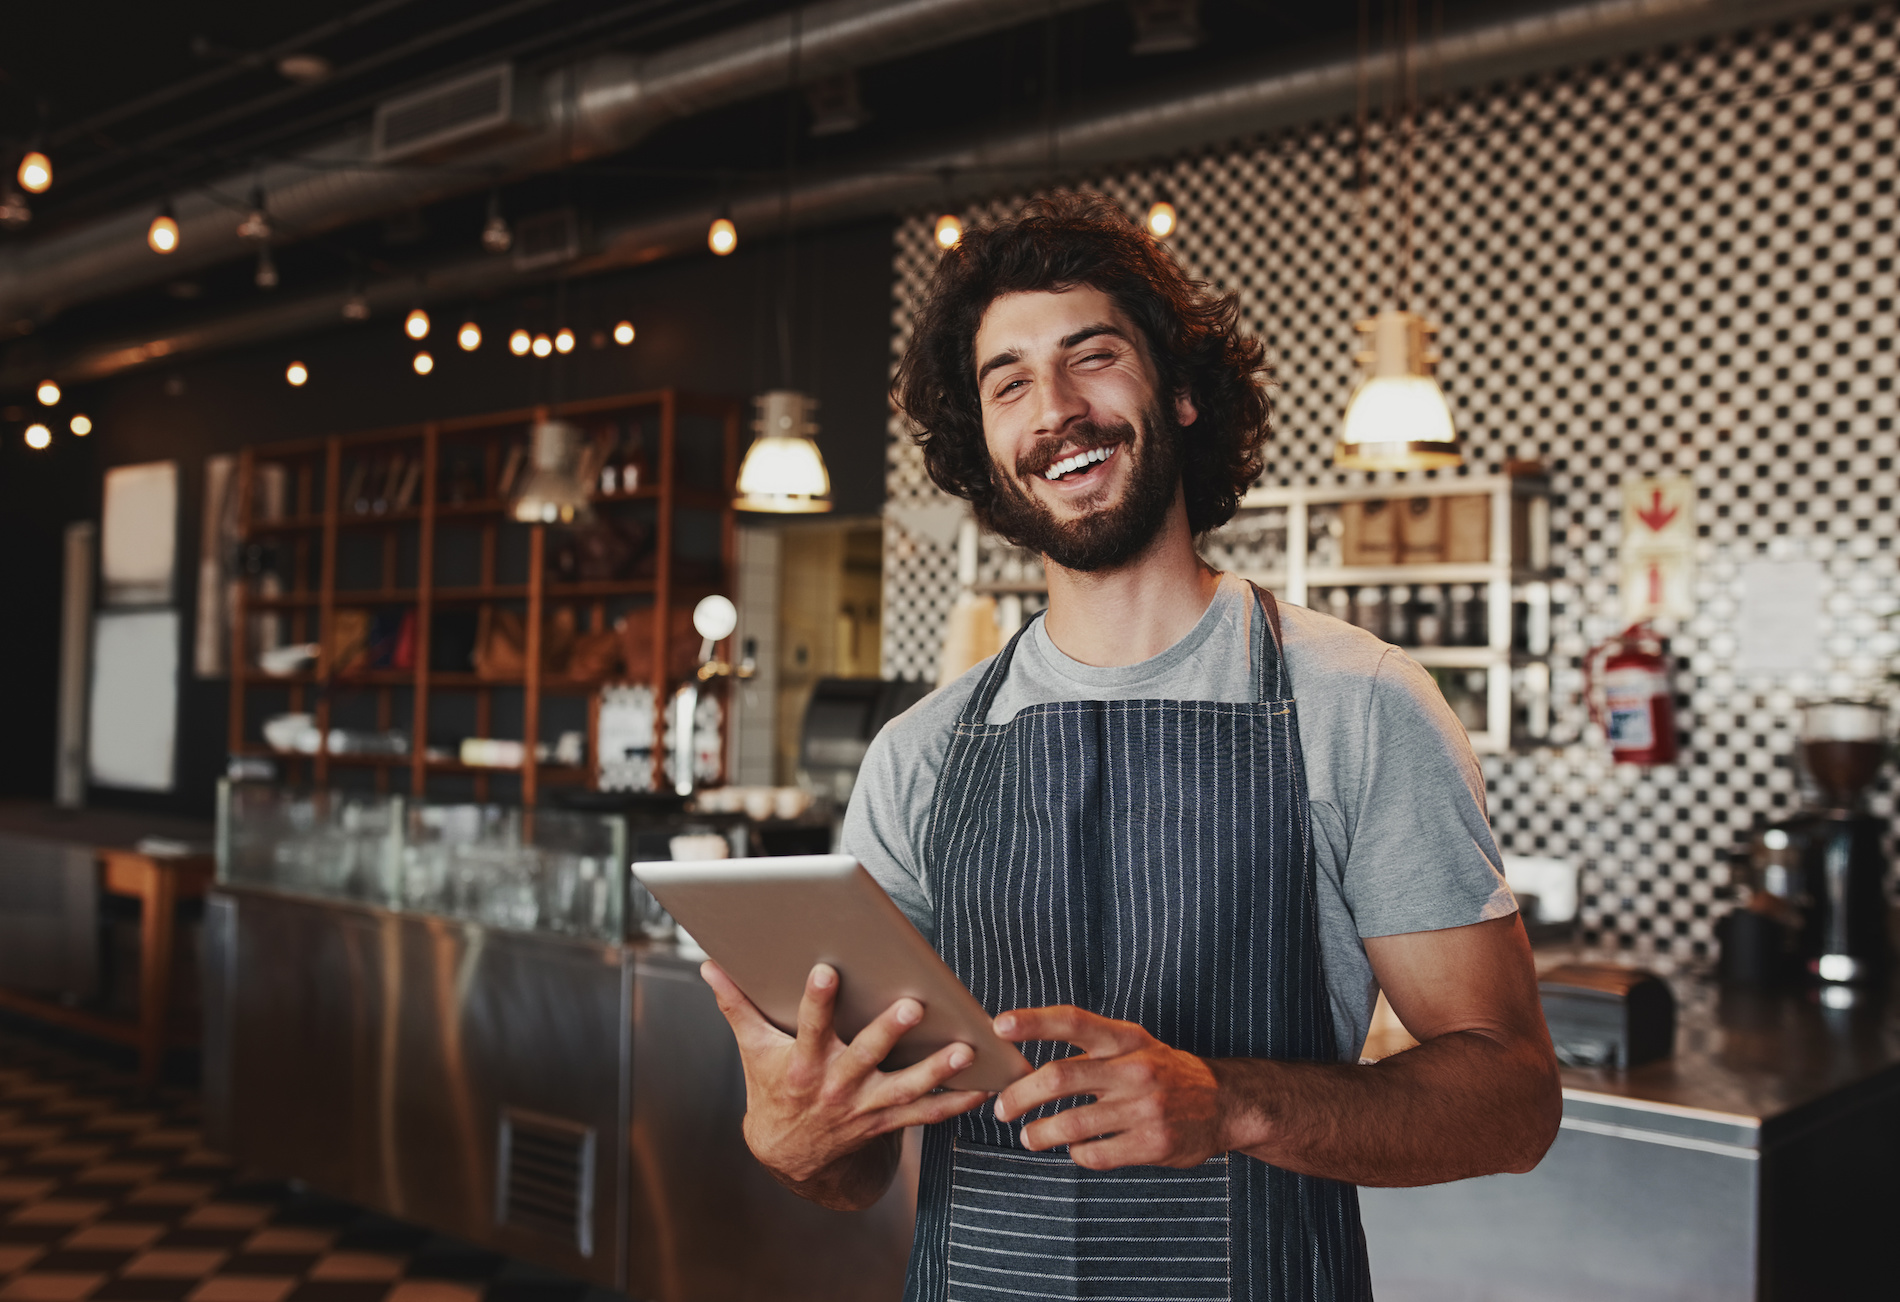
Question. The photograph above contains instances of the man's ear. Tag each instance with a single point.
(1185, 412)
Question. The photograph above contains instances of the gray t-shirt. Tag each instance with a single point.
(1401, 841)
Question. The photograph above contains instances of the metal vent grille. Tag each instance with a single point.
(441, 115)
(545, 1180)
(546, 239)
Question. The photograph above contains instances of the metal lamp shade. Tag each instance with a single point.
(552, 493)
(783, 470)
(1397, 418)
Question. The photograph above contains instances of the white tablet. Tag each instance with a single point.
(767, 921)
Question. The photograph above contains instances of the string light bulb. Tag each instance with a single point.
(543, 345)
(564, 340)
(36, 172)
(356, 306)
(424, 363)
(162, 234)
(1162, 218)
(722, 237)
(38, 436)
(469, 336)
(416, 324)
(48, 393)
(81, 424)
(296, 373)
(623, 333)
(519, 343)
(949, 231)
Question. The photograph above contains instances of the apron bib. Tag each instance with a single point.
(1150, 861)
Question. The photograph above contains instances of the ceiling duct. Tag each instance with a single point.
(594, 106)
(546, 240)
(454, 113)
(1208, 114)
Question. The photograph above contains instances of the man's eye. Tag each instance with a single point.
(1008, 385)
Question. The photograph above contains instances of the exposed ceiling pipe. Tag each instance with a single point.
(1213, 114)
(599, 105)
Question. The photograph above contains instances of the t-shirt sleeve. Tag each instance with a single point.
(888, 819)
(1421, 856)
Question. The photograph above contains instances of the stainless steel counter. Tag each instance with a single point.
(573, 1102)
(1760, 1161)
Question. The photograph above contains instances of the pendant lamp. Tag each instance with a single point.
(783, 470)
(1397, 417)
(552, 493)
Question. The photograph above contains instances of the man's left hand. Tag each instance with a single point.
(1154, 1106)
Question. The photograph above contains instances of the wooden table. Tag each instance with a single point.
(158, 883)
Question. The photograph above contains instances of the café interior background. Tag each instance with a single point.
(1680, 262)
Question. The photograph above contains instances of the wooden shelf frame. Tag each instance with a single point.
(306, 523)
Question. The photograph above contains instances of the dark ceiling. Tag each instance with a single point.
(134, 102)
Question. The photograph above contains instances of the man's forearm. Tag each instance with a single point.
(1460, 1105)
(852, 1182)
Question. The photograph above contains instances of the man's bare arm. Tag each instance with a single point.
(1479, 1095)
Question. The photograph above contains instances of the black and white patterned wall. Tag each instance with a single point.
(1682, 262)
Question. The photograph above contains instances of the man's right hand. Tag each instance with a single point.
(814, 1102)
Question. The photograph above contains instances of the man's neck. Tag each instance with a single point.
(1135, 612)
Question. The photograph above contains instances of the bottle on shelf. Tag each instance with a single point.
(1428, 621)
(633, 470)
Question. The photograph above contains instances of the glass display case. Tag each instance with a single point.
(547, 870)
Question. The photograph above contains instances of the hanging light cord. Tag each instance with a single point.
(1362, 177)
(1408, 111)
(790, 285)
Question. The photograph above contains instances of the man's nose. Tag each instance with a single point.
(1062, 403)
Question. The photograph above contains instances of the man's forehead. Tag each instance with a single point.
(1042, 317)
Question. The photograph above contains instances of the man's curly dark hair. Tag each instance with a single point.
(1193, 336)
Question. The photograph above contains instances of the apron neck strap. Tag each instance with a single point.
(977, 709)
(1271, 661)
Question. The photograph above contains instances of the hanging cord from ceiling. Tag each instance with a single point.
(788, 288)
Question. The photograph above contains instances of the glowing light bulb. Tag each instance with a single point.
(36, 173)
(519, 343)
(543, 345)
(469, 336)
(564, 340)
(424, 363)
(623, 333)
(722, 237)
(82, 425)
(296, 373)
(416, 324)
(162, 234)
(1162, 219)
(949, 231)
(38, 436)
(48, 394)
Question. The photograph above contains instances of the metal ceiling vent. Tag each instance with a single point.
(545, 1177)
(448, 113)
(547, 239)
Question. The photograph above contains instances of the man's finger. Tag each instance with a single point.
(1062, 1079)
(930, 1109)
(1081, 1125)
(892, 1089)
(815, 1009)
(1095, 1035)
(749, 1026)
(874, 1043)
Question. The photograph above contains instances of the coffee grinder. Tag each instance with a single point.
(1826, 862)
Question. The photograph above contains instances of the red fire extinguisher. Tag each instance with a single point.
(1626, 681)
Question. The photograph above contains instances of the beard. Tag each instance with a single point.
(1102, 539)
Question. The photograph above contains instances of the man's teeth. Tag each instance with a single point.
(1076, 462)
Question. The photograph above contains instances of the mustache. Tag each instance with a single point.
(1089, 434)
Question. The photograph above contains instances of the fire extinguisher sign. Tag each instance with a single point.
(1657, 551)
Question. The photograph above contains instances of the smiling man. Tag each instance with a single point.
(1175, 836)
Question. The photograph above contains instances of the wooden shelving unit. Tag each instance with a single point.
(310, 528)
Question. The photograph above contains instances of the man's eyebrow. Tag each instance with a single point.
(1009, 358)
(1083, 335)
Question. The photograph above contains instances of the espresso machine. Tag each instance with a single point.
(1823, 870)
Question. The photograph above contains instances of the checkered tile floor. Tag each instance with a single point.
(108, 1195)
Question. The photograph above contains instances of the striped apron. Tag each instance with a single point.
(1149, 861)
